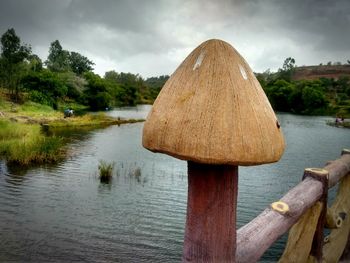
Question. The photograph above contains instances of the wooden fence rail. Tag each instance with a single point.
(257, 236)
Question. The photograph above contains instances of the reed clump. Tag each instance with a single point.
(105, 171)
(24, 144)
(135, 174)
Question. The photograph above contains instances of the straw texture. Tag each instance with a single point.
(213, 110)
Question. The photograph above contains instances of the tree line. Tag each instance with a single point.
(66, 76)
(324, 96)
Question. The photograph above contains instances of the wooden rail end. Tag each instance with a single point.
(280, 207)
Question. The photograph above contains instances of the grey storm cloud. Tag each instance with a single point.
(153, 37)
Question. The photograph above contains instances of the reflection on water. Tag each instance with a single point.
(63, 213)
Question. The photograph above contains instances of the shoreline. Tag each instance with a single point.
(24, 136)
(74, 121)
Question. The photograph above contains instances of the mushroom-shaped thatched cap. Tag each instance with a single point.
(213, 110)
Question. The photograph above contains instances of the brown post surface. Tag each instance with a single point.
(337, 239)
(317, 244)
(346, 253)
(213, 113)
(210, 232)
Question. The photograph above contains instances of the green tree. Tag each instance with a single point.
(12, 61)
(295, 100)
(126, 87)
(79, 64)
(313, 100)
(35, 63)
(58, 59)
(327, 83)
(279, 94)
(152, 87)
(288, 64)
(97, 92)
(75, 85)
(126, 95)
(288, 69)
(342, 83)
(112, 76)
(12, 50)
(45, 87)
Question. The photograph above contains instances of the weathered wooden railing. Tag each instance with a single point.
(213, 113)
(257, 236)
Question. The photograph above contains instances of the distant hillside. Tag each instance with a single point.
(325, 71)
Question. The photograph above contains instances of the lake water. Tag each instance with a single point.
(62, 213)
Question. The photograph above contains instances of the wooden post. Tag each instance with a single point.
(305, 238)
(213, 113)
(346, 253)
(210, 232)
(337, 239)
(301, 236)
(345, 257)
(317, 244)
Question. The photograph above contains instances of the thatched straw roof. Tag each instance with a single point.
(213, 110)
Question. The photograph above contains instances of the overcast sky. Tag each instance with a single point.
(153, 37)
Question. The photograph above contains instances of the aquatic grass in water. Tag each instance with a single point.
(136, 174)
(24, 144)
(106, 171)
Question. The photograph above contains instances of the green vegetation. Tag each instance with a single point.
(67, 79)
(22, 140)
(15, 59)
(35, 113)
(323, 96)
(33, 93)
(25, 144)
(105, 171)
(90, 120)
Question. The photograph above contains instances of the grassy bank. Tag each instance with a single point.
(97, 120)
(34, 113)
(29, 109)
(22, 140)
(25, 144)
